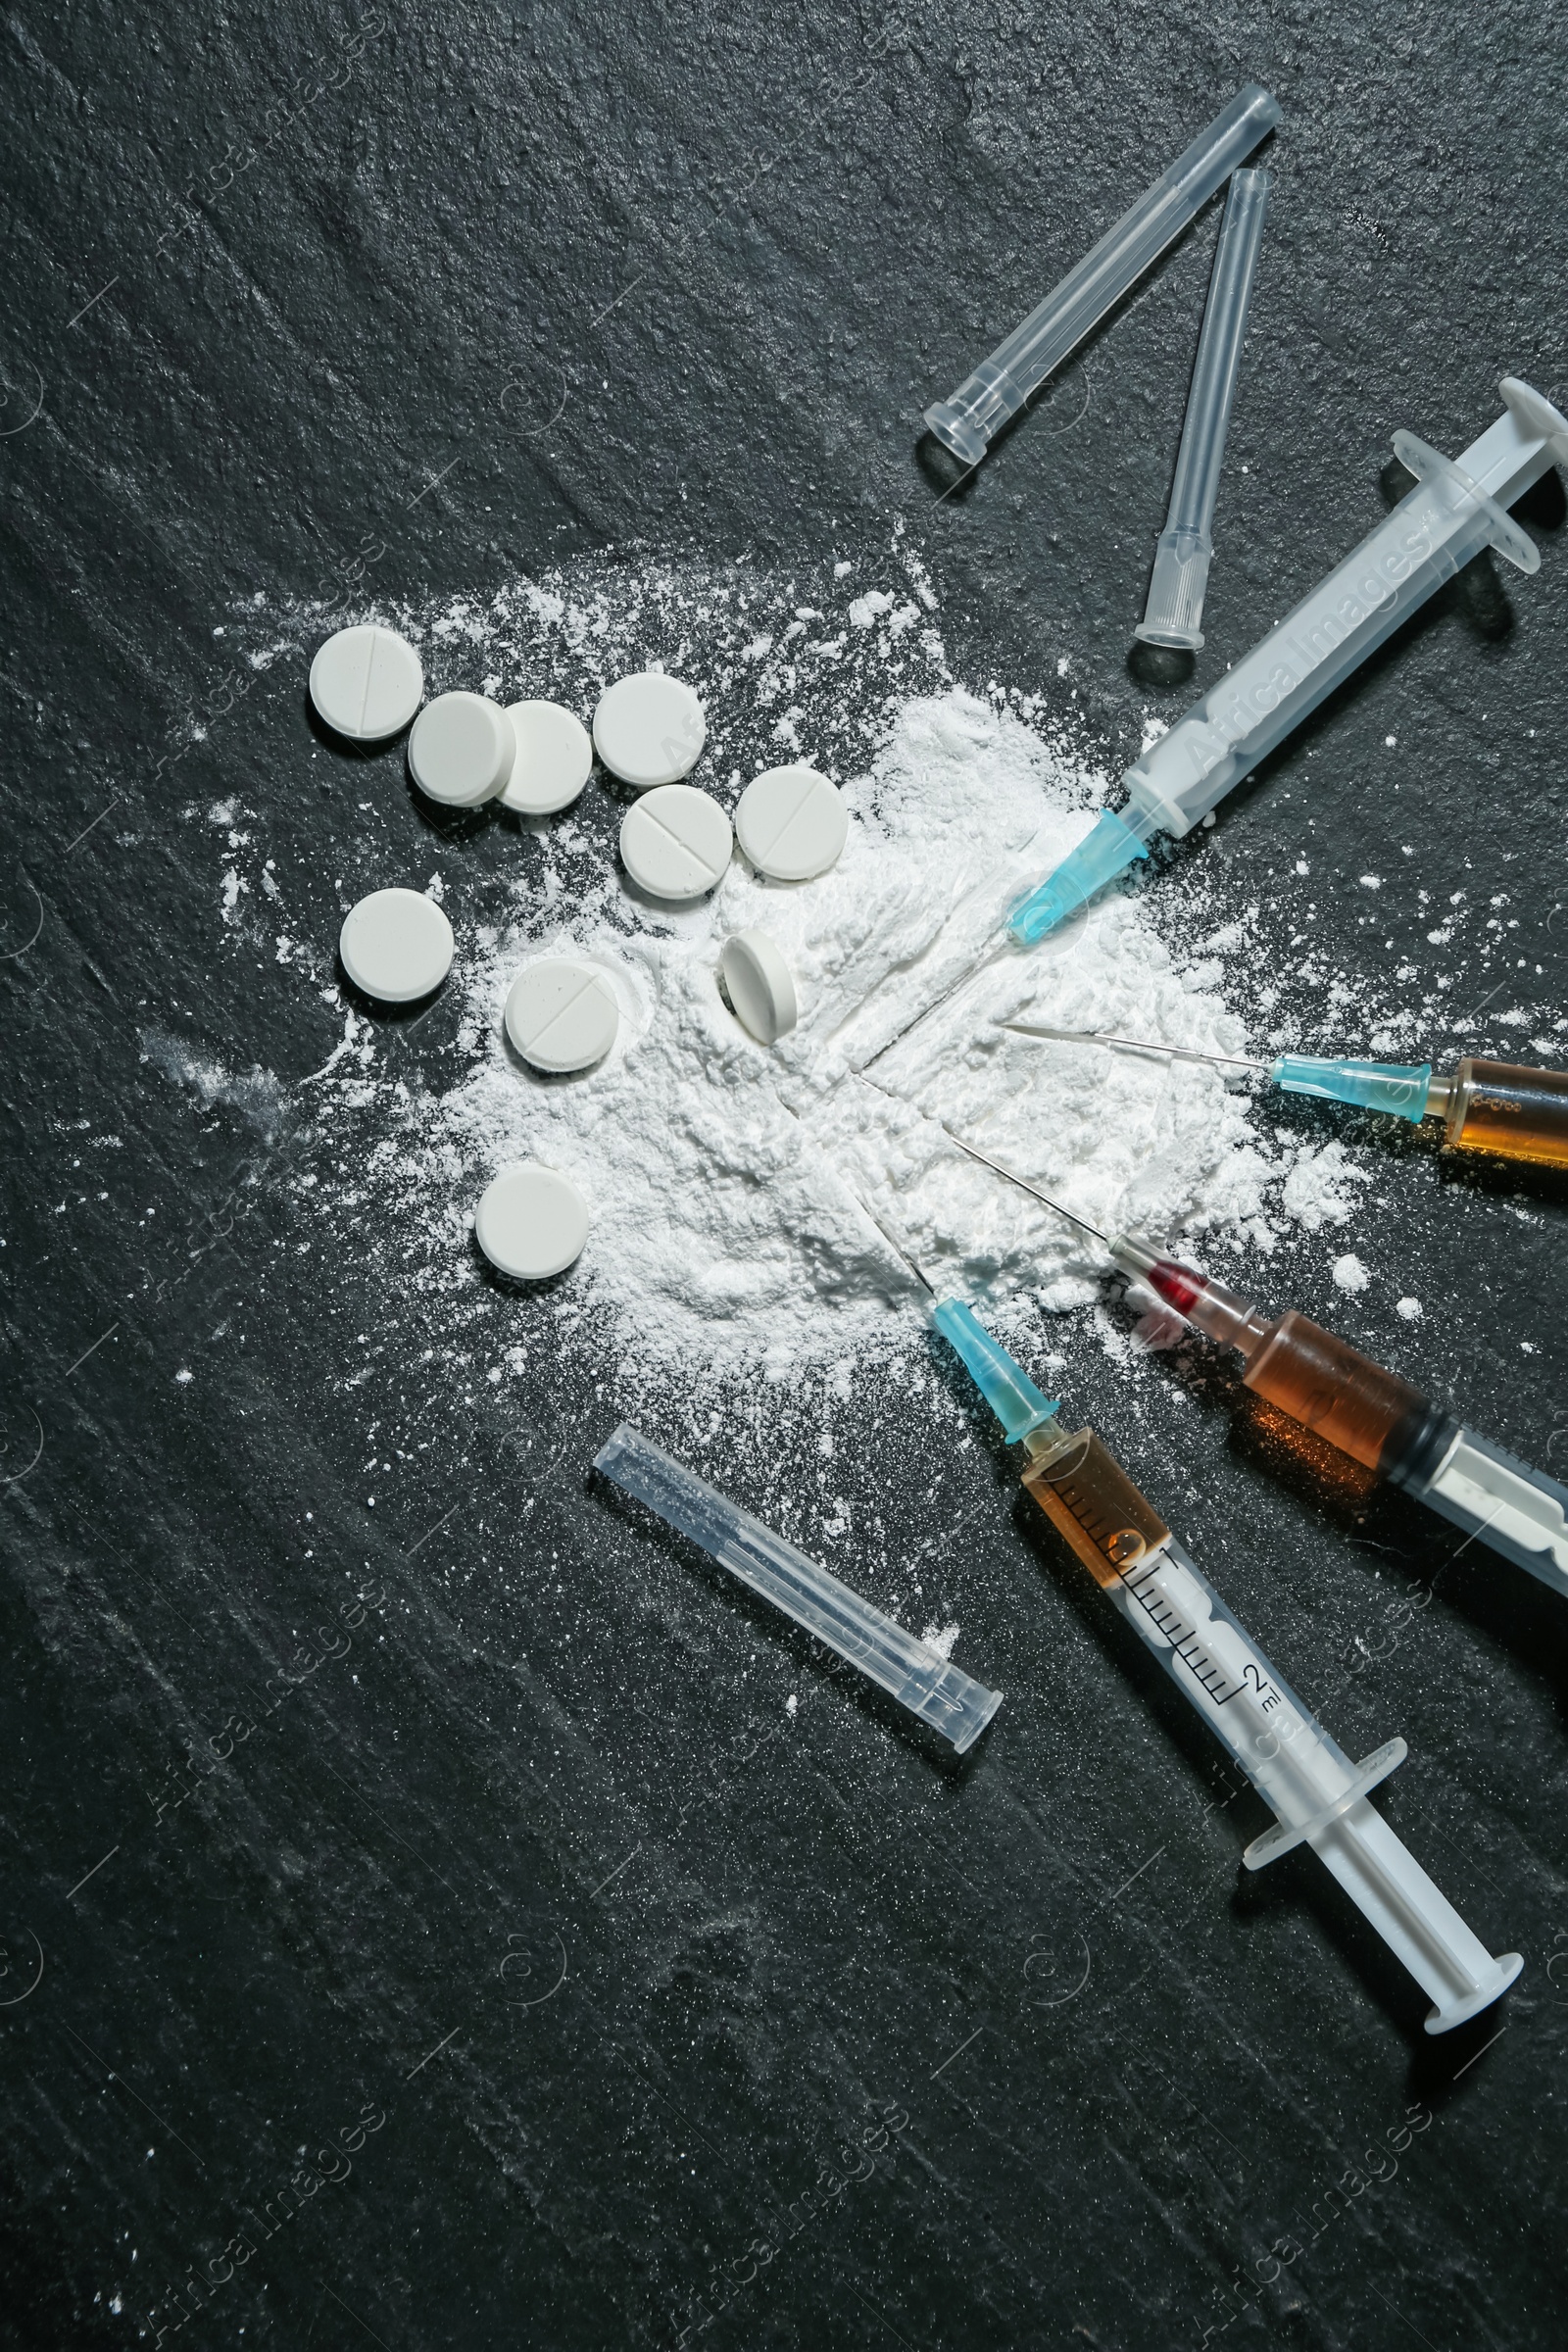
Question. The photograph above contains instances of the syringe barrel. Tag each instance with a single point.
(1021, 362)
(1129, 1550)
(928, 1685)
(1515, 1112)
(1341, 1395)
(1279, 1743)
(1174, 611)
(1092, 1504)
(1451, 514)
(1425, 541)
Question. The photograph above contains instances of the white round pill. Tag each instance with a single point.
(462, 750)
(562, 1016)
(762, 987)
(791, 823)
(367, 682)
(649, 729)
(676, 841)
(531, 1222)
(554, 757)
(396, 945)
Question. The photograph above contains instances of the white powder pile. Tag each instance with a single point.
(729, 1182)
(726, 1178)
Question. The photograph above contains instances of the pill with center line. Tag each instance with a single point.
(365, 683)
(675, 842)
(791, 823)
(561, 1014)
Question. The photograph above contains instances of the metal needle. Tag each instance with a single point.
(1139, 1045)
(996, 1166)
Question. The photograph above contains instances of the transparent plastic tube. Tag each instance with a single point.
(1457, 508)
(1174, 611)
(999, 386)
(929, 1686)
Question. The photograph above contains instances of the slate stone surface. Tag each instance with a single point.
(424, 1922)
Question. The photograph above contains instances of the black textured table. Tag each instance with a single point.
(421, 1923)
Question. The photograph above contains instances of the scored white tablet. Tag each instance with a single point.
(396, 945)
(554, 754)
(649, 729)
(791, 823)
(676, 841)
(366, 682)
(531, 1222)
(462, 750)
(562, 1016)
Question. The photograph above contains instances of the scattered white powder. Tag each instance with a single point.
(729, 1184)
(1317, 1188)
(1349, 1273)
(1410, 1308)
(866, 609)
(254, 1092)
(940, 1638)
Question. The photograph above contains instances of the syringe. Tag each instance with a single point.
(1500, 1107)
(1374, 1416)
(1352, 1404)
(1456, 508)
(1021, 362)
(1320, 1797)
